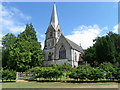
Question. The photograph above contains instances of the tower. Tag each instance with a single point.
(52, 36)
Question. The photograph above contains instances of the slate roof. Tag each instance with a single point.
(75, 46)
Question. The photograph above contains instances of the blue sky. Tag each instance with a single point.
(80, 21)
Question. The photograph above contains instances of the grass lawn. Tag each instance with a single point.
(34, 84)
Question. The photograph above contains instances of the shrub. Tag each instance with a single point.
(96, 73)
(81, 72)
(109, 70)
(8, 75)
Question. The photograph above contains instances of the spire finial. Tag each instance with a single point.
(54, 18)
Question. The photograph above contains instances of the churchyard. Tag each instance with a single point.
(62, 77)
(62, 63)
(97, 73)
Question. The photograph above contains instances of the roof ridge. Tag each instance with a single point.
(74, 45)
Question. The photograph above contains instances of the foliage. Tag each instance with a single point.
(104, 71)
(116, 40)
(90, 55)
(8, 39)
(116, 74)
(24, 53)
(46, 72)
(8, 75)
(105, 50)
(96, 73)
(64, 67)
(81, 72)
(109, 70)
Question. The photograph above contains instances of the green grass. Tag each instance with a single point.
(34, 84)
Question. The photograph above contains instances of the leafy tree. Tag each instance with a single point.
(25, 52)
(116, 40)
(8, 39)
(90, 56)
(105, 50)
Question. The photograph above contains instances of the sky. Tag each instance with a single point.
(80, 22)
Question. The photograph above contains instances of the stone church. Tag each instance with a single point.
(58, 49)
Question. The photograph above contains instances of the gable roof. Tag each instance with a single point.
(74, 45)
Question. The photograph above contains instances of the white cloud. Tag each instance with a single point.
(115, 28)
(41, 38)
(85, 35)
(12, 19)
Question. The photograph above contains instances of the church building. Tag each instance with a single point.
(58, 49)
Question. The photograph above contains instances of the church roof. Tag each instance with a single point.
(54, 18)
(74, 45)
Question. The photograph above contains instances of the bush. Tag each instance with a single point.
(46, 72)
(8, 75)
(65, 67)
(109, 70)
(81, 72)
(116, 74)
(96, 73)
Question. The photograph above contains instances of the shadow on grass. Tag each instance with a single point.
(8, 82)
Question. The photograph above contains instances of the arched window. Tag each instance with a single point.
(51, 34)
(49, 56)
(58, 33)
(62, 52)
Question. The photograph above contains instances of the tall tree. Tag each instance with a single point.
(26, 51)
(8, 39)
(116, 40)
(105, 50)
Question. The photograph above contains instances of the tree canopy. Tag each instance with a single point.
(105, 49)
(24, 53)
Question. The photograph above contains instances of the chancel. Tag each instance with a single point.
(58, 49)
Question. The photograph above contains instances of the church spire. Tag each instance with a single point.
(54, 18)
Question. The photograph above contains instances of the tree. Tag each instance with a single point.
(116, 40)
(105, 50)
(90, 56)
(25, 52)
(8, 39)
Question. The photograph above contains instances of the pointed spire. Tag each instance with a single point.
(54, 18)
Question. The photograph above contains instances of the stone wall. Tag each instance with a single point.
(59, 62)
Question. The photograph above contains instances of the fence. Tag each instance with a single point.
(23, 75)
